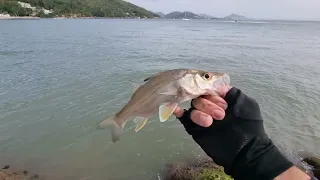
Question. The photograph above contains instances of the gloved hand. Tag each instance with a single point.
(238, 142)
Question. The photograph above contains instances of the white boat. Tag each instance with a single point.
(185, 17)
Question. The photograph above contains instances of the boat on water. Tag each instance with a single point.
(185, 17)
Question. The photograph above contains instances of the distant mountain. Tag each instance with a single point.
(181, 15)
(160, 14)
(172, 15)
(206, 16)
(75, 8)
(235, 17)
(191, 15)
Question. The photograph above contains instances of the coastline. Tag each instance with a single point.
(19, 18)
(7, 17)
(38, 18)
(188, 169)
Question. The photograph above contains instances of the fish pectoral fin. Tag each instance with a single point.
(166, 110)
(140, 122)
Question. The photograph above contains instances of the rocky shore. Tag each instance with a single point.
(201, 169)
(206, 169)
(198, 169)
(6, 173)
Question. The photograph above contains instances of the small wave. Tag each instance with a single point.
(13, 52)
(296, 156)
(248, 22)
(255, 22)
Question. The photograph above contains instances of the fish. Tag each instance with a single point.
(161, 93)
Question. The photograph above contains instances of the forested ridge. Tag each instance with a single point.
(78, 8)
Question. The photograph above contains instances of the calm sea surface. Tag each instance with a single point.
(59, 78)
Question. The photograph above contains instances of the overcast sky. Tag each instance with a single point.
(266, 9)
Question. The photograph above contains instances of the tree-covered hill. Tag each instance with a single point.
(79, 8)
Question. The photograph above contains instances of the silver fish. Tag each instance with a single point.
(162, 92)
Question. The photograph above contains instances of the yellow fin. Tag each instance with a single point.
(166, 110)
(140, 122)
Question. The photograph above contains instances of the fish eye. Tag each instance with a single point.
(206, 75)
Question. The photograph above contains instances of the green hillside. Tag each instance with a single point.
(79, 8)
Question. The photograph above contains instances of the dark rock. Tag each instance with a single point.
(35, 176)
(316, 173)
(201, 169)
(315, 162)
(6, 174)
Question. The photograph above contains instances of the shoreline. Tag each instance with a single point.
(6, 173)
(60, 17)
(189, 169)
(19, 18)
(137, 18)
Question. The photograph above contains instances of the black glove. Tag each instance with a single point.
(239, 142)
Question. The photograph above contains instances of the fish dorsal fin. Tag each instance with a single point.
(152, 76)
(149, 78)
(166, 110)
(135, 85)
(140, 122)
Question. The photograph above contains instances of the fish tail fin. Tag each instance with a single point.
(111, 123)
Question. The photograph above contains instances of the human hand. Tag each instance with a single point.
(208, 108)
(230, 130)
